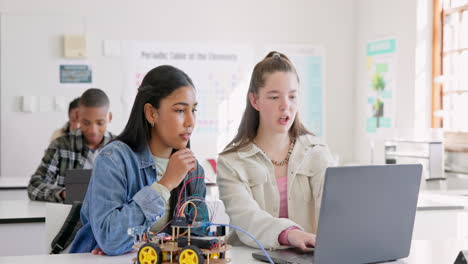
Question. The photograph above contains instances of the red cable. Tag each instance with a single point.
(182, 190)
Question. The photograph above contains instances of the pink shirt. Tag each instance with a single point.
(282, 183)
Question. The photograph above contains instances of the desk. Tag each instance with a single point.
(427, 252)
(441, 217)
(25, 219)
(13, 188)
(433, 202)
(13, 182)
(22, 228)
(19, 211)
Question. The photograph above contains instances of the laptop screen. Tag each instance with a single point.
(76, 184)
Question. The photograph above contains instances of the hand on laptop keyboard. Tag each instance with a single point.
(300, 239)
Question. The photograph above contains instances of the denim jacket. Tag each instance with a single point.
(120, 196)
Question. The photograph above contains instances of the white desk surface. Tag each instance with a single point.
(429, 201)
(13, 182)
(427, 252)
(22, 210)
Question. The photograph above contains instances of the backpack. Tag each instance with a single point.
(68, 231)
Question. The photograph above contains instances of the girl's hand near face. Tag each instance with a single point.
(181, 162)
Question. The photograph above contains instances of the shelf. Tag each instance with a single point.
(413, 141)
(407, 155)
(433, 153)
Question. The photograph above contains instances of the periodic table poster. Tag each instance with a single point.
(220, 73)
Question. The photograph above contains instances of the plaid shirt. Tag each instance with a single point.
(67, 152)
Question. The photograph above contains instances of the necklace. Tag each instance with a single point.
(283, 162)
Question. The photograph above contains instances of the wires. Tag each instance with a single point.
(185, 185)
(195, 199)
(183, 208)
(164, 227)
(248, 234)
(181, 201)
(201, 207)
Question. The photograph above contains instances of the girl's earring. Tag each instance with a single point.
(152, 124)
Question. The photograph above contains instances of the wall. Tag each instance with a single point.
(410, 22)
(30, 49)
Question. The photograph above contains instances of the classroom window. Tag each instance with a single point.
(450, 86)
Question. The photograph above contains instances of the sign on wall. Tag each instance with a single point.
(381, 63)
(75, 73)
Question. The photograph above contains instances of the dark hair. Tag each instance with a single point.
(273, 62)
(157, 84)
(94, 97)
(74, 104)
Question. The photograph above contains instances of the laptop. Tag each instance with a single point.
(76, 184)
(367, 216)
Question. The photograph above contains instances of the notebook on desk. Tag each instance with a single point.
(76, 184)
(367, 215)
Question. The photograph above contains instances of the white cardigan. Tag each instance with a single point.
(247, 186)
